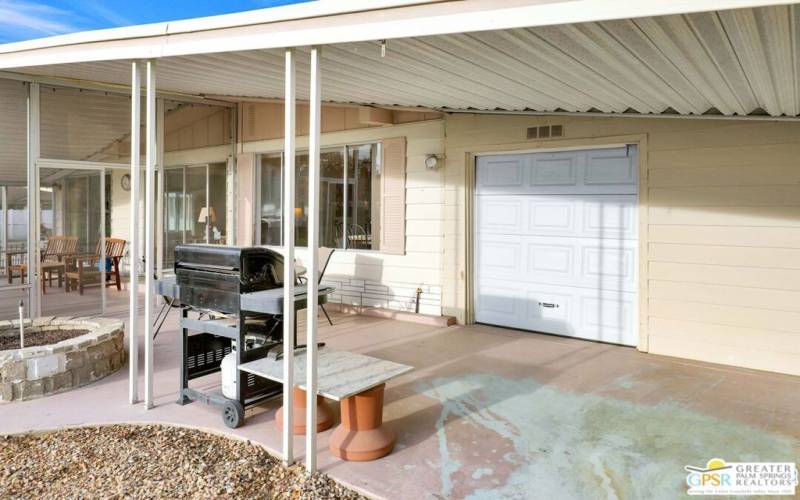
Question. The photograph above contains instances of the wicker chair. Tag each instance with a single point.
(83, 271)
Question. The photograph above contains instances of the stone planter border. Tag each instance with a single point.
(41, 370)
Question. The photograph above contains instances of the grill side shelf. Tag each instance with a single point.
(222, 327)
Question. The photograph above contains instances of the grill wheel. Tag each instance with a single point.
(233, 414)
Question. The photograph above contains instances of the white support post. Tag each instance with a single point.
(230, 221)
(346, 198)
(159, 228)
(4, 221)
(288, 263)
(103, 236)
(315, 108)
(34, 151)
(149, 220)
(133, 248)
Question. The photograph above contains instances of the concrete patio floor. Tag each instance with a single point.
(497, 413)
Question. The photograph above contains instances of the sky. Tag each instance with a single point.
(26, 19)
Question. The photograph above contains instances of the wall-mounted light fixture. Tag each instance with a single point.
(431, 162)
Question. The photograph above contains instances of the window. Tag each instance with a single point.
(195, 206)
(348, 216)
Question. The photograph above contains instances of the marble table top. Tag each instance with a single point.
(340, 374)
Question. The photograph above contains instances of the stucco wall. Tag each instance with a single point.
(719, 235)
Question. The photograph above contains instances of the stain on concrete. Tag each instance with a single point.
(481, 471)
(548, 442)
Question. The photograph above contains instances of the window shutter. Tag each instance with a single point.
(393, 190)
(245, 208)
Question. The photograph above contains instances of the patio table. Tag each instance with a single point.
(357, 381)
(46, 267)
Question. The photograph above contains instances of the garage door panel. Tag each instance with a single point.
(550, 258)
(611, 167)
(589, 216)
(610, 268)
(500, 215)
(580, 262)
(589, 314)
(501, 174)
(610, 217)
(500, 303)
(561, 170)
(501, 257)
(605, 171)
(609, 317)
(551, 216)
(575, 262)
(549, 310)
(558, 253)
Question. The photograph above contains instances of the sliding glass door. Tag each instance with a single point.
(72, 264)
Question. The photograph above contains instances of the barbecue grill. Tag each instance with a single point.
(211, 280)
(230, 296)
(213, 277)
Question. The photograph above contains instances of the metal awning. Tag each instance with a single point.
(730, 62)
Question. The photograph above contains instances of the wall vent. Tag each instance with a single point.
(250, 120)
(545, 132)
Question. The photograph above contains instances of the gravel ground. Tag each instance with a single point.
(38, 338)
(150, 461)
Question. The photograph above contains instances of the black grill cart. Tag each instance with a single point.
(229, 296)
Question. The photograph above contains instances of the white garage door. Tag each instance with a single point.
(556, 243)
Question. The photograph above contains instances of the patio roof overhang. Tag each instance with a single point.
(658, 57)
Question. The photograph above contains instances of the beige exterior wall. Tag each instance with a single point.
(194, 127)
(719, 235)
(120, 206)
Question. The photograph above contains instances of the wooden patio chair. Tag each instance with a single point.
(53, 260)
(83, 270)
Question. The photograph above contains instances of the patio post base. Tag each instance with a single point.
(324, 414)
(362, 436)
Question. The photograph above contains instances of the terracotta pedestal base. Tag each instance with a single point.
(324, 414)
(361, 435)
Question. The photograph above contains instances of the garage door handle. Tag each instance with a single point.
(549, 305)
